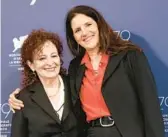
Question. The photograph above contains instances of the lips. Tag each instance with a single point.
(87, 39)
(50, 69)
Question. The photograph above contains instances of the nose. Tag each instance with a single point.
(50, 61)
(84, 31)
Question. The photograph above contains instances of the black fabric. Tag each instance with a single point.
(103, 132)
(38, 118)
(101, 121)
(131, 99)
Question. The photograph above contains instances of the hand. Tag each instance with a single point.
(13, 102)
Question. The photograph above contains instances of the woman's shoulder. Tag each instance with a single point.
(135, 54)
(130, 53)
(136, 59)
(64, 77)
(25, 92)
(76, 60)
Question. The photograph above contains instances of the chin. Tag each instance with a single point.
(90, 48)
(52, 76)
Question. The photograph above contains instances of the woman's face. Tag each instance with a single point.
(85, 32)
(46, 62)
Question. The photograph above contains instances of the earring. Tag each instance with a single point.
(34, 73)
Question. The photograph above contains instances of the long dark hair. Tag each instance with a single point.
(109, 42)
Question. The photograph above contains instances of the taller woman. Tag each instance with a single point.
(111, 79)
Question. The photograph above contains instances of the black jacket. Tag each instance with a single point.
(38, 118)
(129, 91)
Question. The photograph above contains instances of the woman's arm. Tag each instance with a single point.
(14, 102)
(147, 92)
(19, 125)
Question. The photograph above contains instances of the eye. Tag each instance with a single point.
(77, 30)
(41, 58)
(54, 56)
(88, 24)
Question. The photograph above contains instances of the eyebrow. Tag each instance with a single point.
(40, 55)
(84, 24)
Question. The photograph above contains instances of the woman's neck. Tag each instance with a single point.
(50, 83)
(94, 54)
(95, 57)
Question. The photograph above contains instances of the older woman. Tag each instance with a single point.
(47, 108)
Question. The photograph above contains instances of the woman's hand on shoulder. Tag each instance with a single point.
(14, 103)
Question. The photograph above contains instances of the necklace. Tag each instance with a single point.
(56, 111)
(59, 108)
(53, 95)
(55, 90)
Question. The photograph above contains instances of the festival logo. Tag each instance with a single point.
(123, 34)
(5, 122)
(17, 43)
(32, 2)
(14, 57)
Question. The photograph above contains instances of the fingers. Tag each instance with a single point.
(12, 109)
(14, 103)
(13, 98)
(16, 91)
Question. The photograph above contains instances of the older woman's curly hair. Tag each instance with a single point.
(32, 45)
